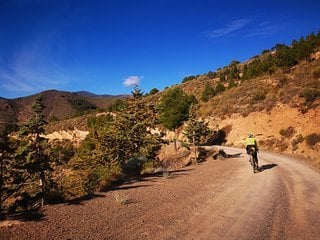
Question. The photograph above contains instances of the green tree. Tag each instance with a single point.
(7, 188)
(123, 144)
(232, 84)
(137, 92)
(211, 74)
(189, 78)
(207, 93)
(82, 105)
(197, 131)
(174, 109)
(220, 88)
(118, 105)
(32, 159)
(154, 91)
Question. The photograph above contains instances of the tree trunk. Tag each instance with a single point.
(175, 140)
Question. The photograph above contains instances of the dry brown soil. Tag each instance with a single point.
(217, 199)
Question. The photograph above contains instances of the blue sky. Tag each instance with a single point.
(106, 46)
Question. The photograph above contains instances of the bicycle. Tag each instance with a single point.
(253, 159)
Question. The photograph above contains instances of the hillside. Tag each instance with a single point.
(59, 105)
(282, 109)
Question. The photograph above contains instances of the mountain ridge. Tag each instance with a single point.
(58, 105)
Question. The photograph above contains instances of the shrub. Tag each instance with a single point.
(220, 88)
(53, 119)
(294, 143)
(154, 91)
(207, 93)
(288, 132)
(189, 78)
(316, 72)
(259, 96)
(312, 139)
(232, 84)
(211, 74)
(282, 82)
(310, 95)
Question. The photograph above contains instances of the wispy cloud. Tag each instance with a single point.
(264, 29)
(231, 27)
(33, 67)
(132, 81)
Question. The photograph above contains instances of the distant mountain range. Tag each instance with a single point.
(58, 105)
(90, 94)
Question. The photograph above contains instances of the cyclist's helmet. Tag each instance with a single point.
(250, 135)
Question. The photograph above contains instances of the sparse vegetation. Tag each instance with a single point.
(154, 91)
(274, 143)
(82, 105)
(312, 139)
(316, 73)
(189, 78)
(294, 143)
(207, 93)
(310, 95)
(118, 105)
(288, 132)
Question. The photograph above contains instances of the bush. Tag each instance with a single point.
(316, 72)
(207, 93)
(288, 132)
(312, 139)
(211, 74)
(294, 143)
(220, 88)
(189, 78)
(53, 119)
(154, 91)
(259, 96)
(310, 95)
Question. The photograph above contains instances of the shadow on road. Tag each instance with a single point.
(225, 155)
(80, 200)
(147, 178)
(34, 215)
(267, 166)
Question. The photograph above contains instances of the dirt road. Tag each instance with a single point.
(217, 199)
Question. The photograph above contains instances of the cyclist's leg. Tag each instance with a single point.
(256, 159)
(248, 152)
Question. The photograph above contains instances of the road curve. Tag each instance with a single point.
(217, 199)
(280, 202)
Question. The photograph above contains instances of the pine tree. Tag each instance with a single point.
(33, 162)
(121, 146)
(7, 187)
(197, 131)
(174, 109)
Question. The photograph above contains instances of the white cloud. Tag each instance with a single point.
(131, 81)
(233, 26)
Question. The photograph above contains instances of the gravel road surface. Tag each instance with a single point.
(217, 199)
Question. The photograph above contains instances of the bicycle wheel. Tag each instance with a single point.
(253, 163)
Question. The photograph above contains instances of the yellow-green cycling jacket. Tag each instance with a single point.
(251, 141)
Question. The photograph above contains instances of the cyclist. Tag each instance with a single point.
(251, 142)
